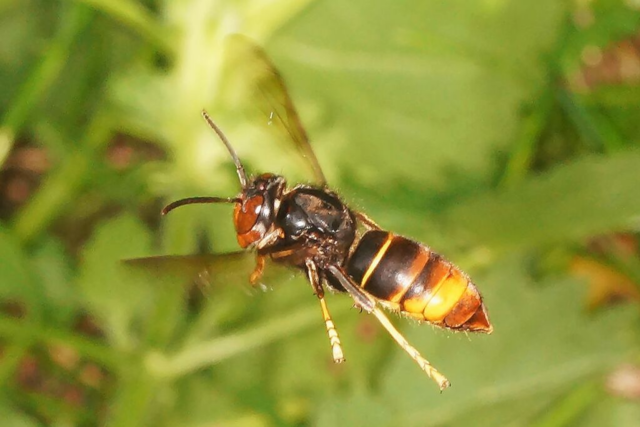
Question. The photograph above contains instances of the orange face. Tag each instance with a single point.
(245, 218)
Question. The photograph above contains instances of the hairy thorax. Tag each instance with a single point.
(316, 225)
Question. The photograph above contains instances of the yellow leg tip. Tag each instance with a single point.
(442, 382)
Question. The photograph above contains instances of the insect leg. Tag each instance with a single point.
(256, 274)
(369, 305)
(368, 222)
(270, 238)
(314, 279)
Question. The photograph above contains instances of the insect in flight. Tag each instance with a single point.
(309, 228)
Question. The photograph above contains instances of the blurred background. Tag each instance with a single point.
(504, 134)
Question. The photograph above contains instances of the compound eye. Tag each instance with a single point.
(246, 214)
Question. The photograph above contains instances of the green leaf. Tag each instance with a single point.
(17, 281)
(219, 408)
(143, 99)
(14, 418)
(420, 90)
(135, 17)
(567, 409)
(111, 292)
(358, 409)
(42, 76)
(589, 196)
(54, 272)
(612, 411)
(19, 27)
(134, 397)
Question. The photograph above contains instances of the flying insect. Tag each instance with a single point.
(310, 228)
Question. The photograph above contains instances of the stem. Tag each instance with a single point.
(219, 349)
(43, 76)
(60, 189)
(23, 331)
(134, 394)
(596, 129)
(50, 407)
(567, 411)
(524, 149)
(135, 17)
(12, 355)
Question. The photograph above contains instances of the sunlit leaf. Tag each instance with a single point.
(358, 409)
(612, 412)
(17, 282)
(113, 295)
(586, 197)
(543, 342)
(14, 418)
(424, 90)
(54, 273)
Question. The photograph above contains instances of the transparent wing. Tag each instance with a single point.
(210, 270)
(258, 82)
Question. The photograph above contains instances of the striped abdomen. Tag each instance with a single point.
(409, 277)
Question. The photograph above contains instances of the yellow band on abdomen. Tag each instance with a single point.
(445, 297)
(376, 260)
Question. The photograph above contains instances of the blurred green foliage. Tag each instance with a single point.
(481, 128)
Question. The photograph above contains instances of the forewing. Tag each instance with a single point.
(263, 92)
(208, 271)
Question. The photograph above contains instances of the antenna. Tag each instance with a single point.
(239, 168)
(192, 200)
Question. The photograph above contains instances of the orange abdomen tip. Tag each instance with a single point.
(478, 322)
(469, 314)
